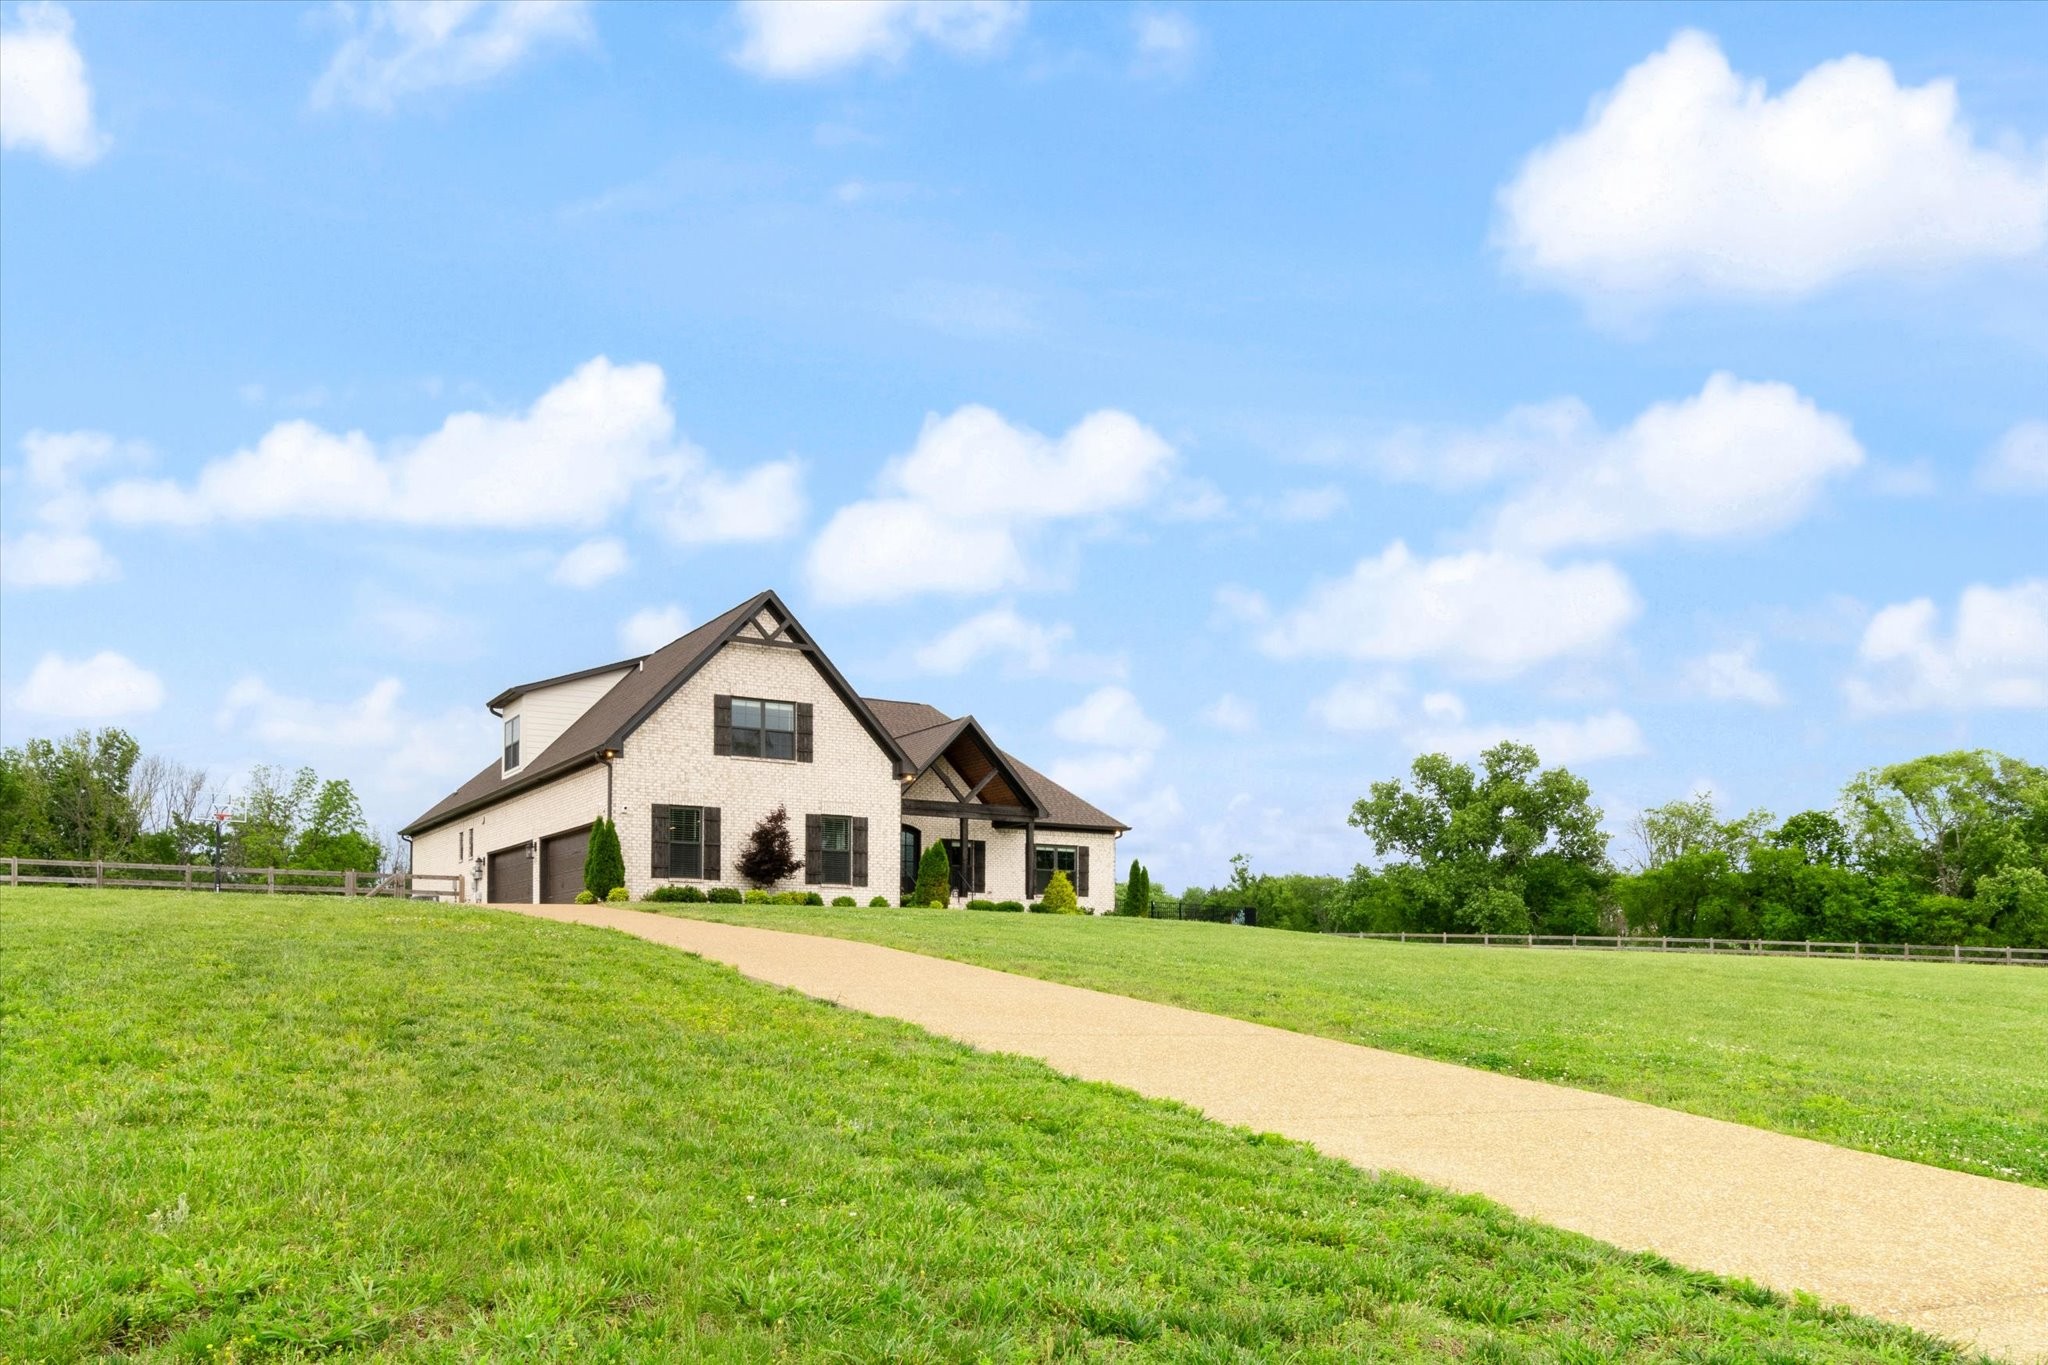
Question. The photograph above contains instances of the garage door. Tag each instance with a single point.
(561, 865)
(511, 876)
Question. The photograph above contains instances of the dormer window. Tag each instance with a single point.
(511, 743)
(763, 729)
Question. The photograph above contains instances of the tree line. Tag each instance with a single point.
(98, 796)
(1947, 848)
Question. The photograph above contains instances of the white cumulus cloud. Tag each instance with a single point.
(1737, 458)
(103, 687)
(1165, 44)
(1733, 675)
(2019, 462)
(54, 559)
(1109, 716)
(399, 48)
(1995, 656)
(45, 96)
(801, 39)
(591, 563)
(1233, 713)
(600, 441)
(1606, 734)
(1484, 611)
(957, 513)
(999, 632)
(1689, 178)
(649, 628)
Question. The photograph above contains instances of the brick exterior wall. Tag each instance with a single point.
(567, 803)
(668, 761)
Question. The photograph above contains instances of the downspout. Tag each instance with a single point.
(608, 756)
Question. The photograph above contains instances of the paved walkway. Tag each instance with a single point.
(1955, 1254)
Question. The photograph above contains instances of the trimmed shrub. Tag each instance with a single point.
(1035, 908)
(814, 898)
(842, 902)
(981, 905)
(723, 895)
(1009, 907)
(584, 897)
(618, 894)
(1059, 896)
(604, 866)
(879, 903)
(792, 898)
(934, 878)
(756, 896)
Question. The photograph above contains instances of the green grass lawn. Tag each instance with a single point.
(1938, 1064)
(242, 1128)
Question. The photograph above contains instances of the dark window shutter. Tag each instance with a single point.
(1081, 870)
(860, 850)
(710, 828)
(803, 732)
(659, 867)
(981, 864)
(814, 848)
(721, 724)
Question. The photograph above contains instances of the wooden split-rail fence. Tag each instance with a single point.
(1746, 947)
(293, 881)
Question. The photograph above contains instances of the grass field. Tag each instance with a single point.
(1937, 1064)
(260, 1128)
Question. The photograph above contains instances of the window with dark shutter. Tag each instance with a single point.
(803, 732)
(814, 846)
(1081, 882)
(910, 849)
(721, 724)
(710, 823)
(1051, 858)
(761, 729)
(658, 843)
(859, 859)
(685, 839)
(835, 849)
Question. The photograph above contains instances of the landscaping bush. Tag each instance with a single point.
(604, 866)
(1059, 896)
(1035, 908)
(934, 878)
(584, 897)
(1009, 907)
(689, 895)
(618, 894)
(756, 896)
(814, 898)
(842, 902)
(768, 856)
(879, 903)
(723, 895)
(981, 905)
(792, 898)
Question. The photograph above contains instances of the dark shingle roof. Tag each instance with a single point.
(925, 731)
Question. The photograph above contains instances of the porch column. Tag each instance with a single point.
(1030, 858)
(960, 873)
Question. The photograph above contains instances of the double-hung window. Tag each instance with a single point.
(511, 743)
(763, 729)
(686, 841)
(837, 866)
(1055, 858)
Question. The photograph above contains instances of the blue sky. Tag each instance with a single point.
(1223, 403)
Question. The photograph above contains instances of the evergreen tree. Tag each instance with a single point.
(1137, 897)
(604, 866)
(769, 857)
(934, 877)
(1059, 896)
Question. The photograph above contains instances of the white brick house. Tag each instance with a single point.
(685, 749)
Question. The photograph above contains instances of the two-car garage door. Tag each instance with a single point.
(561, 869)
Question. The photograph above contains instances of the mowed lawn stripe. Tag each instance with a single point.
(1939, 1064)
(278, 1128)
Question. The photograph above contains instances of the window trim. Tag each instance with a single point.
(674, 844)
(1073, 869)
(826, 852)
(759, 733)
(511, 754)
